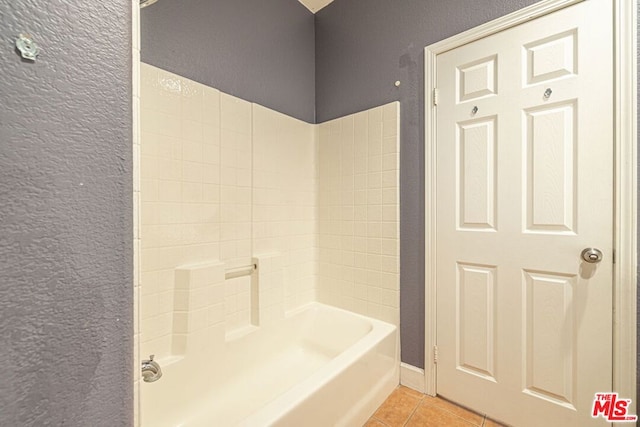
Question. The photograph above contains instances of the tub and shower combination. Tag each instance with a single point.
(319, 366)
(313, 211)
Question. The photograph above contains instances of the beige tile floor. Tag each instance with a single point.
(407, 407)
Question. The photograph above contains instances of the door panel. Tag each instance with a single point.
(549, 352)
(476, 325)
(475, 167)
(524, 183)
(550, 163)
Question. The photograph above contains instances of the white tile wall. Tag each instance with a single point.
(209, 162)
(180, 188)
(198, 307)
(358, 213)
(271, 288)
(235, 181)
(238, 303)
(284, 205)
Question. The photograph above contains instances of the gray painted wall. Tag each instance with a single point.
(66, 215)
(65, 165)
(362, 48)
(261, 51)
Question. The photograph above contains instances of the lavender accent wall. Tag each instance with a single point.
(66, 262)
(65, 161)
(258, 50)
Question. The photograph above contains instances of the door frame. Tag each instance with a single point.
(625, 186)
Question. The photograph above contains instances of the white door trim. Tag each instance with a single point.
(625, 227)
(625, 215)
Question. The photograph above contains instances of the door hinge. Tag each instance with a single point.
(613, 256)
(436, 96)
(435, 354)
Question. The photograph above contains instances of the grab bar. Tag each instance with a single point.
(246, 270)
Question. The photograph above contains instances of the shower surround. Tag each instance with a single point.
(358, 213)
(225, 184)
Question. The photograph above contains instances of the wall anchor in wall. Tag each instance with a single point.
(27, 47)
(397, 83)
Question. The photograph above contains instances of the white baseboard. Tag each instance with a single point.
(412, 377)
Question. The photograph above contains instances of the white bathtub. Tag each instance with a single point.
(320, 366)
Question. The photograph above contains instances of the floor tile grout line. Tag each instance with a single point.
(471, 423)
(380, 421)
(414, 410)
(484, 416)
(458, 416)
(422, 401)
(398, 389)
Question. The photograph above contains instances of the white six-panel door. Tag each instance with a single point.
(524, 184)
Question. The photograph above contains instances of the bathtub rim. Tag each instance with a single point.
(271, 412)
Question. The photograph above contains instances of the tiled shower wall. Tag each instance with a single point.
(224, 181)
(284, 199)
(219, 176)
(180, 210)
(359, 213)
(235, 204)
